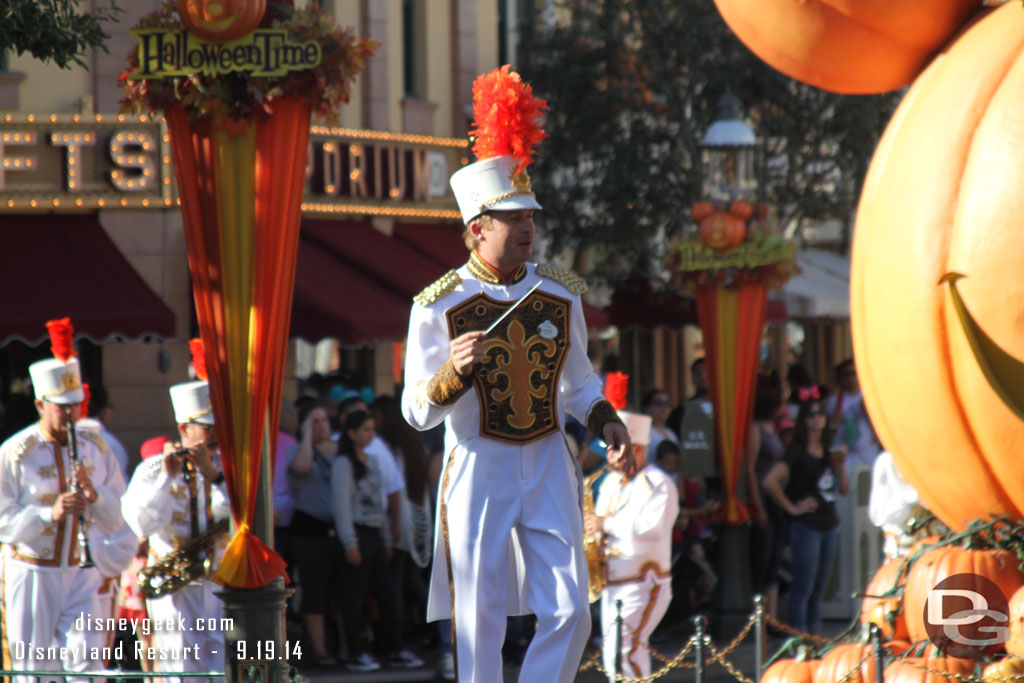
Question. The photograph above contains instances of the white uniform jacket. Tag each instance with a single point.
(535, 371)
(638, 518)
(158, 507)
(34, 470)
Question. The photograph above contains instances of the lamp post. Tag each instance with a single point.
(730, 150)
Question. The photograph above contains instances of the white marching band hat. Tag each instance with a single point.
(191, 402)
(490, 185)
(638, 425)
(57, 381)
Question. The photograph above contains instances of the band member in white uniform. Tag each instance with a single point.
(634, 517)
(510, 530)
(168, 509)
(44, 589)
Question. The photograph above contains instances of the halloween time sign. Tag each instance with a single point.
(262, 53)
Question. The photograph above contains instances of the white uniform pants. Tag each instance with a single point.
(40, 607)
(643, 605)
(199, 644)
(534, 491)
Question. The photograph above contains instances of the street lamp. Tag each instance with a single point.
(730, 149)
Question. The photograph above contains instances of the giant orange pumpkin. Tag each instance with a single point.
(221, 20)
(841, 663)
(846, 46)
(1001, 567)
(790, 671)
(944, 196)
(1015, 645)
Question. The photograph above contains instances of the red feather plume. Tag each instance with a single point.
(61, 334)
(85, 401)
(616, 387)
(506, 117)
(198, 357)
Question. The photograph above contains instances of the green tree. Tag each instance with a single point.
(53, 29)
(632, 86)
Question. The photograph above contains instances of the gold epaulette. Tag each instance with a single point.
(443, 286)
(568, 279)
(96, 439)
(28, 442)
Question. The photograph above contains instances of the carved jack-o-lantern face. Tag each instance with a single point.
(221, 20)
(722, 231)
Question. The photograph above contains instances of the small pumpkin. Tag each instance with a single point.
(942, 196)
(841, 661)
(906, 670)
(998, 566)
(702, 210)
(1004, 669)
(790, 671)
(221, 21)
(869, 46)
(1015, 645)
(722, 230)
(886, 612)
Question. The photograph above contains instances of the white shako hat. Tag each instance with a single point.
(638, 425)
(57, 381)
(490, 185)
(507, 120)
(192, 403)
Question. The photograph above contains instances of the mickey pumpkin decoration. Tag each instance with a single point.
(221, 21)
(721, 230)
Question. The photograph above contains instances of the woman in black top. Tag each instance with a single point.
(816, 479)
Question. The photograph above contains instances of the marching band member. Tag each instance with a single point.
(510, 531)
(634, 515)
(44, 498)
(172, 498)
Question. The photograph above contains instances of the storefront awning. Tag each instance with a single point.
(822, 289)
(636, 304)
(66, 266)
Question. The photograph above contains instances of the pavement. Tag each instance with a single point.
(668, 644)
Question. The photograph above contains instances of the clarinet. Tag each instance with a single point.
(83, 537)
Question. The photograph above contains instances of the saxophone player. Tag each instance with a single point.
(633, 517)
(172, 498)
(43, 501)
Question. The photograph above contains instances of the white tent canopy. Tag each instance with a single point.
(822, 289)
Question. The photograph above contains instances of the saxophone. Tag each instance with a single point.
(177, 569)
(593, 548)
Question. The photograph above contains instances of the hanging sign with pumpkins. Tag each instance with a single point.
(736, 245)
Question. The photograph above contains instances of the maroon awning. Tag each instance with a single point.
(440, 241)
(636, 304)
(55, 266)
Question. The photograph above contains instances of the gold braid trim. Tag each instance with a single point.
(447, 385)
(503, 196)
(568, 279)
(442, 287)
(601, 414)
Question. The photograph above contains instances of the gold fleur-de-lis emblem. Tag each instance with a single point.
(69, 381)
(178, 518)
(178, 492)
(48, 498)
(47, 472)
(521, 181)
(524, 361)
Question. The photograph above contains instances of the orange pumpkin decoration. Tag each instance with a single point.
(742, 209)
(886, 612)
(702, 210)
(842, 660)
(221, 20)
(722, 230)
(1015, 645)
(998, 566)
(905, 671)
(942, 196)
(866, 46)
(790, 671)
(1003, 669)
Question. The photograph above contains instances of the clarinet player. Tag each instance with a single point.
(44, 499)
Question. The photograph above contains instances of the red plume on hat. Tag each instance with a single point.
(61, 334)
(616, 387)
(506, 117)
(84, 406)
(198, 357)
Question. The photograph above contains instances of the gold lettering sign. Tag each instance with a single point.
(697, 256)
(262, 53)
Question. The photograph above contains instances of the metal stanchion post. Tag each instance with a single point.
(876, 643)
(758, 636)
(618, 639)
(699, 624)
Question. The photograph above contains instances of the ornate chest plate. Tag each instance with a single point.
(517, 382)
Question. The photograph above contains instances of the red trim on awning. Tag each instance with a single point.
(53, 266)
